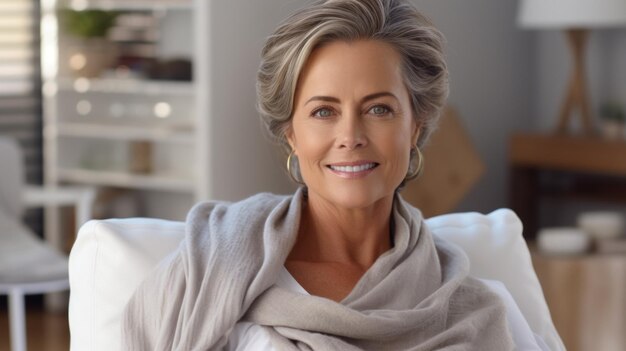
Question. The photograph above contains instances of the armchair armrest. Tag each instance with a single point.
(80, 197)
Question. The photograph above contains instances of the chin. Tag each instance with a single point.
(355, 196)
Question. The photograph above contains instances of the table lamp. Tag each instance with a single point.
(576, 17)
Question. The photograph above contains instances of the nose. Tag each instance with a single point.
(351, 134)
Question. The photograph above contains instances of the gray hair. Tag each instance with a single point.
(396, 22)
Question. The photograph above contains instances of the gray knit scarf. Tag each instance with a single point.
(416, 296)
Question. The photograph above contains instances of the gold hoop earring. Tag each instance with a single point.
(420, 164)
(289, 168)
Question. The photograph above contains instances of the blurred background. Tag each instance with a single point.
(143, 108)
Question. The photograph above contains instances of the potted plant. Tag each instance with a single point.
(613, 120)
(92, 52)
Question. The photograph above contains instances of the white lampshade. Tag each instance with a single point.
(572, 13)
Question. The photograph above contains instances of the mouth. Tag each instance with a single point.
(353, 169)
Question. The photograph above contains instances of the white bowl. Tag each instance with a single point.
(563, 240)
(602, 225)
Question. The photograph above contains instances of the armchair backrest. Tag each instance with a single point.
(111, 257)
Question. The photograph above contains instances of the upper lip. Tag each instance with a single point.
(353, 163)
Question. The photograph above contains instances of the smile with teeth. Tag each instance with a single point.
(353, 169)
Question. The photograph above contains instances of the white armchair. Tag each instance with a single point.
(111, 257)
(28, 265)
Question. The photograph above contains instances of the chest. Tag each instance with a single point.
(329, 280)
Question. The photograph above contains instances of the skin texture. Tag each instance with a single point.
(345, 223)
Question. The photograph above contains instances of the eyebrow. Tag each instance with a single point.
(366, 98)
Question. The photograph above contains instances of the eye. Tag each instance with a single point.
(323, 112)
(380, 110)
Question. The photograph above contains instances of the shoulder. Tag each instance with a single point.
(247, 212)
(212, 225)
(259, 202)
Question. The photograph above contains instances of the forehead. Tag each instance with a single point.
(351, 68)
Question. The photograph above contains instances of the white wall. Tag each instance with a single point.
(244, 161)
(490, 64)
(617, 64)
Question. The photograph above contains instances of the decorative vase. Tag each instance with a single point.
(90, 57)
(613, 130)
(141, 157)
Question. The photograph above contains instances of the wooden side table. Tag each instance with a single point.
(579, 167)
(586, 295)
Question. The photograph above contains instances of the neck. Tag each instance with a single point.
(347, 236)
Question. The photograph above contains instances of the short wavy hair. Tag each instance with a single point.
(395, 22)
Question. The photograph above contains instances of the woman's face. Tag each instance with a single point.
(352, 127)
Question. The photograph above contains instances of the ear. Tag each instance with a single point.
(291, 140)
(416, 131)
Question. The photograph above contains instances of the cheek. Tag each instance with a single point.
(397, 147)
(402, 151)
(310, 144)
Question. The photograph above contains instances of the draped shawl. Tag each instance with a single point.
(416, 296)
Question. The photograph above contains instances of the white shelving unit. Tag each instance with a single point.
(127, 180)
(91, 124)
(205, 134)
(126, 86)
(127, 132)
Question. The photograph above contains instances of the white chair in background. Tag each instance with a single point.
(29, 265)
(111, 257)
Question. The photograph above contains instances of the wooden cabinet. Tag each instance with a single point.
(563, 167)
(586, 295)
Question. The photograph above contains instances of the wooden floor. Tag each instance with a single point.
(45, 331)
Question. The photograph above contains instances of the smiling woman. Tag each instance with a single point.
(352, 130)
(352, 89)
(352, 127)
